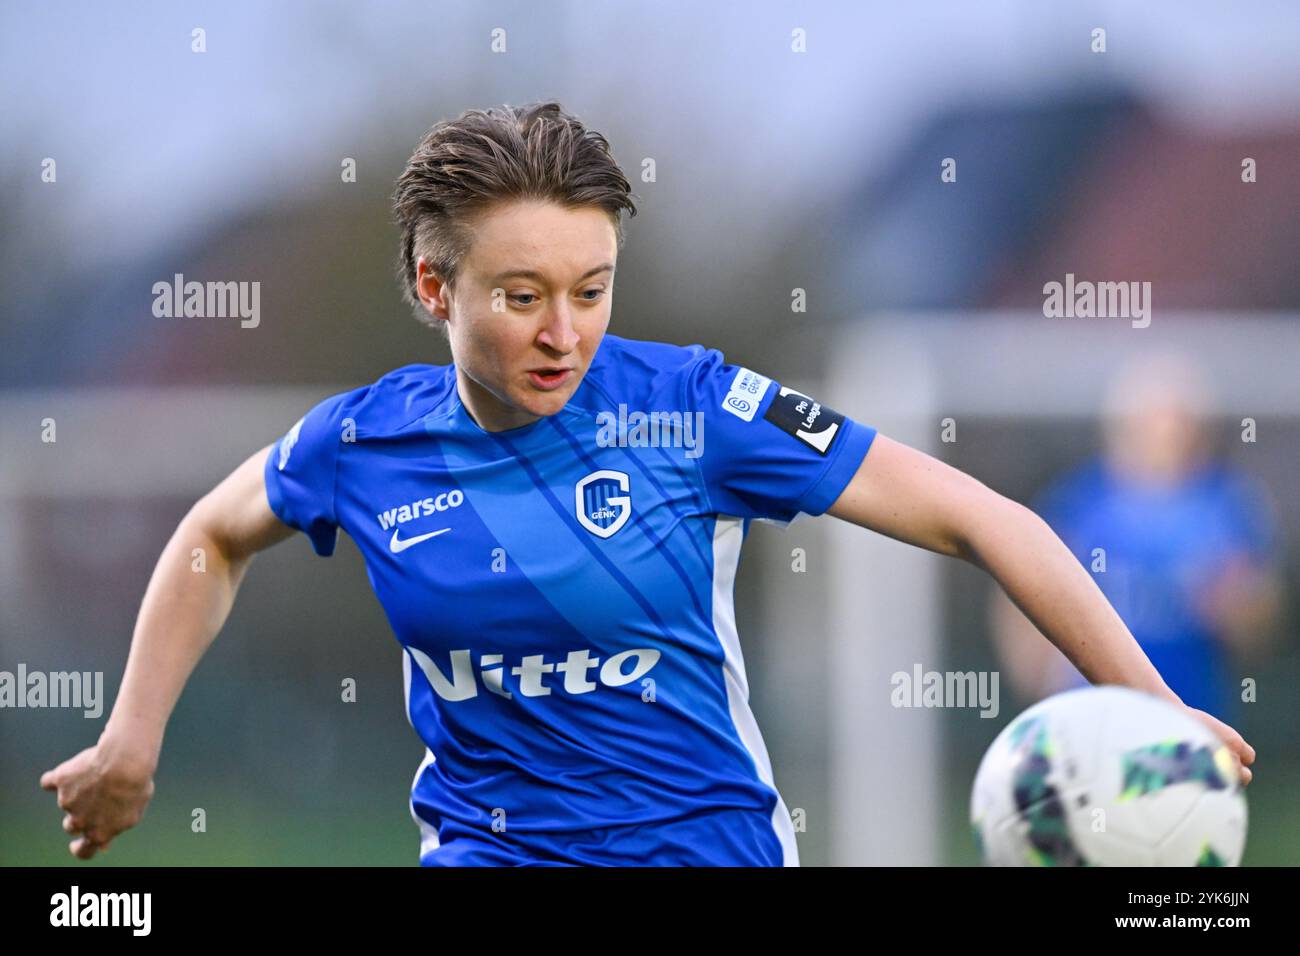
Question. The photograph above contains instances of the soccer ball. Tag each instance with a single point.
(1108, 776)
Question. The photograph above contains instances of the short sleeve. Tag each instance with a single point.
(769, 451)
(300, 475)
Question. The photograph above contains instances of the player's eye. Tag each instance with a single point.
(597, 294)
(522, 295)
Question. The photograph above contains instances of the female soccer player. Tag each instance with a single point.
(552, 524)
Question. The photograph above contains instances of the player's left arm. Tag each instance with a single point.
(914, 498)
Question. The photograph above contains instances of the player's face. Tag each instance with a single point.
(529, 308)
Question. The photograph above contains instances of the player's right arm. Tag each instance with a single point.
(105, 788)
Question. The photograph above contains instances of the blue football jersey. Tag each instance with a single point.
(562, 592)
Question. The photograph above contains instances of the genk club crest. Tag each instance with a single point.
(603, 502)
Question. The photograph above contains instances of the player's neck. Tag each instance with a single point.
(488, 411)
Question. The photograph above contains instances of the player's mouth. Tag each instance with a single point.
(548, 379)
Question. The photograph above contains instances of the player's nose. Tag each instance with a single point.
(557, 331)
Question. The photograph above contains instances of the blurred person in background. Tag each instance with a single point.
(1181, 543)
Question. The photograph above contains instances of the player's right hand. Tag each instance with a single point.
(102, 794)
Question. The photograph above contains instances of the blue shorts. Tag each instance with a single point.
(726, 837)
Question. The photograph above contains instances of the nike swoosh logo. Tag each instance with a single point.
(397, 546)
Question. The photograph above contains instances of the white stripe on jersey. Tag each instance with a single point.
(428, 833)
(728, 535)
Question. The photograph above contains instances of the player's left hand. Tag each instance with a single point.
(1242, 751)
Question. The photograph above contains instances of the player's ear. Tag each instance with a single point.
(434, 294)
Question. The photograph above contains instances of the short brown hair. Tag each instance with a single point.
(465, 165)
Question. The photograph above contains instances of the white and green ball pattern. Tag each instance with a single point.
(1108, 776)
